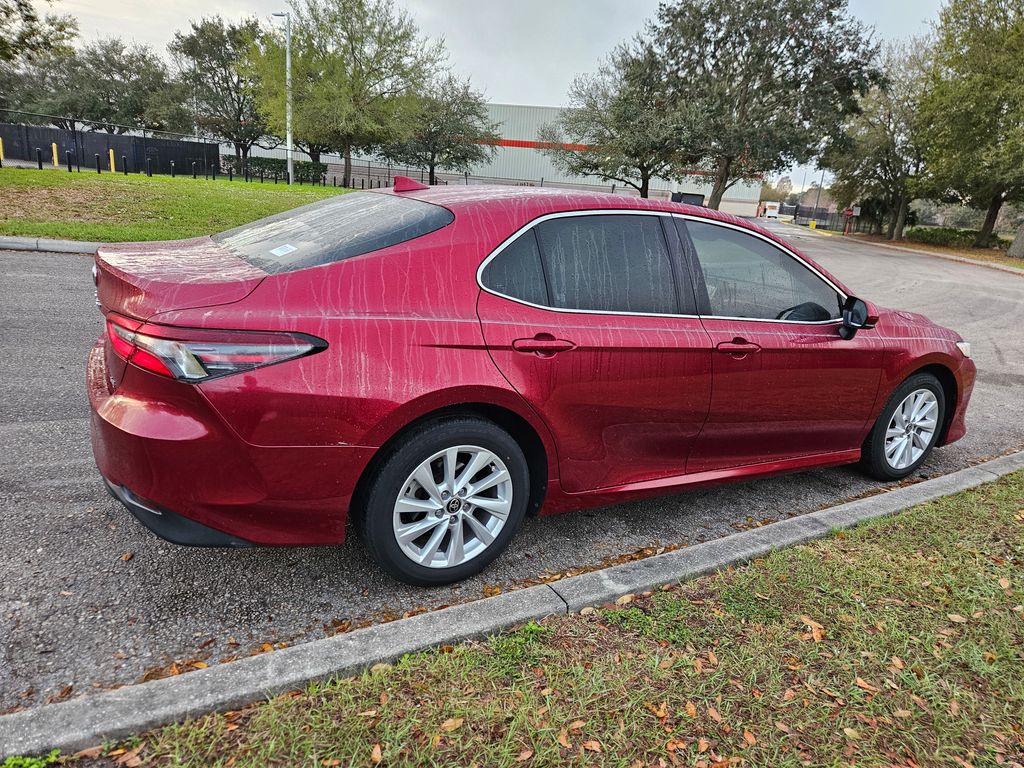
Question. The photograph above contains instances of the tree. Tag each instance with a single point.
(880, 154)
(209, 60)
(23, 32)
(107, 83)
(777, 191)
(453, 130)
(773, 78)
(619, 126)
(359, 66)
(974, 107)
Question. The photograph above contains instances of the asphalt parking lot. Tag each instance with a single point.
(89, 598)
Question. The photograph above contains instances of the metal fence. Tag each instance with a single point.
(80, 143)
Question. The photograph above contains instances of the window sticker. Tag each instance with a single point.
(283, 250)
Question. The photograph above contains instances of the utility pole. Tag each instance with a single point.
(288, 88)
(817, 198)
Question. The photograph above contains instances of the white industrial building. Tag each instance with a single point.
(519, 160)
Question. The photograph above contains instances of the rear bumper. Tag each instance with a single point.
(190, 478)
(170, 526)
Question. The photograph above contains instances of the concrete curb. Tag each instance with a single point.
(44, 244)
(88, 721)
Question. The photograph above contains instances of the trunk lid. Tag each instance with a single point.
(142, 279)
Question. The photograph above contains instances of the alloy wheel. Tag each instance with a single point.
(453, 506)
(911, 428)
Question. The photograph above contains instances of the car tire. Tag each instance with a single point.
(412, 493)
(917, 409)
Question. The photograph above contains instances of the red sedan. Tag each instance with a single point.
(434, 364)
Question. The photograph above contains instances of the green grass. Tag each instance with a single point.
(901, 640)
(115, 208)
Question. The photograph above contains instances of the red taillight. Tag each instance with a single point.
(198, 354)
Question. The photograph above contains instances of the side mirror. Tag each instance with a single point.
(857, 314)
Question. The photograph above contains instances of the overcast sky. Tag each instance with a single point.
(520, 52)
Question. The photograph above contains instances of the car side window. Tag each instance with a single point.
(611, 263)
(750, 278)
(517, 272)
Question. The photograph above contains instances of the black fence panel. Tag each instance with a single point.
(21, 142)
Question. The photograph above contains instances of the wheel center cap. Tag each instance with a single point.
(454, 505)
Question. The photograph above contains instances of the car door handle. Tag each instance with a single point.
(738, 348)
(543, 344)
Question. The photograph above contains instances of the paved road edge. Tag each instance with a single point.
(918, 251)
(44, 244)
(88, 721)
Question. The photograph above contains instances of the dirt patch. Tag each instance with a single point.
(86, 203)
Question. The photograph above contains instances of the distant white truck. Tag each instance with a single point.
(771, 210)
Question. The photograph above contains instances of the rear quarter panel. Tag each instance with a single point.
(403, 336)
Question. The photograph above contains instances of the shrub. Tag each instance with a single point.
(948, 236)
(277, 168)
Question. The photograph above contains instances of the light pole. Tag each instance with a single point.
(288, 87)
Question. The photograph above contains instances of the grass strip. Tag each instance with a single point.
(899, 642)
(114, 208)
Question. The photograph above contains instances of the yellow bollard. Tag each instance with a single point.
(812, 224)
(1, 150)
(53, 146)
(112, 168)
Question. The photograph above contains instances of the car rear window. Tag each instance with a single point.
(331, 230)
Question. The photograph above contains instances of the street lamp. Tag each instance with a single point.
(288, 86)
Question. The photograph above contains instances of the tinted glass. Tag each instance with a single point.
(748, 277)
(611, 263)
(517, 271)
(333, 229)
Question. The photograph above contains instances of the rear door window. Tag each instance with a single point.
(332, 230)
(610, 263)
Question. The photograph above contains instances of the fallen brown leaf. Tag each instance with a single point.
(451, 724)
(865, 685)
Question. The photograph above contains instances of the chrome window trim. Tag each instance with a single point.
(666, 214)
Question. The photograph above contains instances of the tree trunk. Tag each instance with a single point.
(432, 180)
(721, 183)
(645, 184)
(890, 229)
(314, 155)
(985, 235)
(346, 153)
(901, 218)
